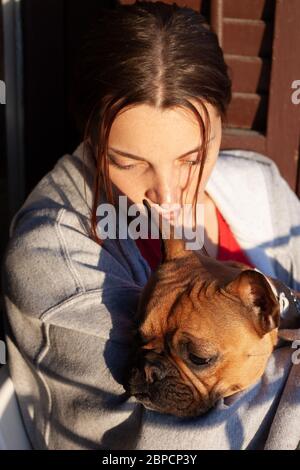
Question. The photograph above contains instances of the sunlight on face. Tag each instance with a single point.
(160, 166)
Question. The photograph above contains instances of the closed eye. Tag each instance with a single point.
(192, 162)
(135, 165)
(121, 167)
(200, 361)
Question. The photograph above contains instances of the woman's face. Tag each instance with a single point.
(152, 154)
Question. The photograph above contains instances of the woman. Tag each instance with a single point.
(152, 99)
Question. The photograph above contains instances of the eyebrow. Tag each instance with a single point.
(136, 157)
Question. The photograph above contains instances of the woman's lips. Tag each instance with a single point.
(169, 212)
(169, 215)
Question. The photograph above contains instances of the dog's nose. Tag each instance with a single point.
(154, 372)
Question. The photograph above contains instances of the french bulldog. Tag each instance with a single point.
(205, 330)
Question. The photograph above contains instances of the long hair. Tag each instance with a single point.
(146, 53)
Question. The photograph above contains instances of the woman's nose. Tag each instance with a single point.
(164, 189)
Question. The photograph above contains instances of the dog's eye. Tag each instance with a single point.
(199, 361)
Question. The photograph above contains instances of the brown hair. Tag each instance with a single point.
(147, 52)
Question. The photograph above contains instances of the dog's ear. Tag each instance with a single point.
(256, 294)
(171, 247)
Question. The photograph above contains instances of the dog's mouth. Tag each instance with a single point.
(144, 397)
(168, 396)
(139, 390)
(157, 384)
(145, 400)
(177, 409)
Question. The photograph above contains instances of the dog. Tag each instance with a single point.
(205, 330)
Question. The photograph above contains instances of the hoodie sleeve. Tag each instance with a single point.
(69, 305)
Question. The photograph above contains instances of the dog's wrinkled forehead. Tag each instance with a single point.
(193, 306)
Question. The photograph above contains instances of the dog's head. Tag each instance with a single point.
(205, 330)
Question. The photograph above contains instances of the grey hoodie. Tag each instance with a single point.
(69, 306)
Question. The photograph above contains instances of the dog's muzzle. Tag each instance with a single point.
(156, 383)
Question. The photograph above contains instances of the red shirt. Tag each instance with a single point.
(228, 247)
